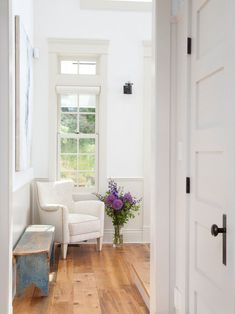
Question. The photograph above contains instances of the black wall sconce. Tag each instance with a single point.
(127, 88)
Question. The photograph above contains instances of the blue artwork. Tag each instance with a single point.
(24, 76)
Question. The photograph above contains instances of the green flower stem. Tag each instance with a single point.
(118, 237)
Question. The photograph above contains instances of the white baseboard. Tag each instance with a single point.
(129, 235)
(146, 234)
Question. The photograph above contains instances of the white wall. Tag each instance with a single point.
(5, 160)
(126, 32)
(21, 180)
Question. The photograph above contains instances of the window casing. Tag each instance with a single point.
(81, 65)
(78, 123)
(64, 92)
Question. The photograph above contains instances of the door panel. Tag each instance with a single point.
(201, 305)
(209, 93)
(210, 19)
(212, 156)
(209, 167)
(208, 256)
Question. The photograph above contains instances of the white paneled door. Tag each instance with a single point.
(212, 157)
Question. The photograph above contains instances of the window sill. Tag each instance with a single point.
(86, 196)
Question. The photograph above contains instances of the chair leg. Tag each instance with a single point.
(99, 244)
(64, 248)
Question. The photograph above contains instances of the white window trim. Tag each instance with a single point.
(62, 90)
(162, 269)
(116, 5)
(69, 48)
(147, 100)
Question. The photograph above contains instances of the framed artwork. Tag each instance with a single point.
(23, 85)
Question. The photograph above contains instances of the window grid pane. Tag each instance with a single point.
(69, 175)
(86, 162)
(87, 67)
(78, 67)
(68, 123)
(69, 67)
(69, 103)
(86, 179)
(77, 160)
(69, 162)
(68, 145)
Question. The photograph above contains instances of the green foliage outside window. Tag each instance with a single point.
(78, 154)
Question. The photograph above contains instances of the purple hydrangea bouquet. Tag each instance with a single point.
(119, 206)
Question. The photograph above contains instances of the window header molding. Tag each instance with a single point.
(71, 46)
(116, 5)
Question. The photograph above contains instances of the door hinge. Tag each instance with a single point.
(189, 45)
(188, 187)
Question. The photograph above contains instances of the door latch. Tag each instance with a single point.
(215, 231)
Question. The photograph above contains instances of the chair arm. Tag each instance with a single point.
(91, 207)
(56, 215)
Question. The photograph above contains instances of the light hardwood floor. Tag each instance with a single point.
(141, 278)
(90, 282)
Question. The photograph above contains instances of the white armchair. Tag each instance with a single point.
(74, 221)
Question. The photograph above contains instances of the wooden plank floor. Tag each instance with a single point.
(142, 269)
(141, 278)
(90, 282)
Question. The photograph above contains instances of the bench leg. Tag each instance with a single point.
(33, 269)
(64, 248)
(53, 255)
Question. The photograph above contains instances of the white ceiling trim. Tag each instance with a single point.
(69, 46)
(115, 5)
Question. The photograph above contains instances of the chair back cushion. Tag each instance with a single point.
(59, 192)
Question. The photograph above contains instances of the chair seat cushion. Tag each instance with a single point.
(81, 223)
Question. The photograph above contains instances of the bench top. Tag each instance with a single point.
(35, 239)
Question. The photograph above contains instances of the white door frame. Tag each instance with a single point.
(5, 158)
(180, 122)
(162, 259)
(161, 269)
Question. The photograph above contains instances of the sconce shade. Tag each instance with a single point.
(127, 88)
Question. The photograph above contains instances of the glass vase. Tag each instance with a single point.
(118, 236)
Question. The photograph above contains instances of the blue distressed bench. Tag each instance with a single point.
(34, 253)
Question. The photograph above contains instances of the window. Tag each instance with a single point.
(78, 135)
(78, 67)
(77, 108)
